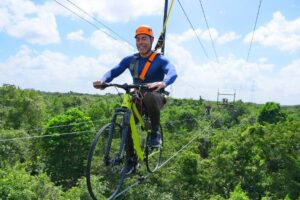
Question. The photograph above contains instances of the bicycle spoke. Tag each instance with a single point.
(104, 163)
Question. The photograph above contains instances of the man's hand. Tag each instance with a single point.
(98, 85)
(156, 85)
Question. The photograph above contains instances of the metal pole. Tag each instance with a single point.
(164, 35)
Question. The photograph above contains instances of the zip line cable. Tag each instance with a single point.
(218, 75)
(164, 163)
(58, 126)
(92, 24)
(95, 19)
(212, 42)
(97, 27)
(193, 29)
(44, 136)
(71, 133)
(254, 28)
(251, 42)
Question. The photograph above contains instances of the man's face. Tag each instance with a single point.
(143, 43)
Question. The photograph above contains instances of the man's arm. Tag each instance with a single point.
(116, 71)
(170, 72)
(113, 73)
(170, 76)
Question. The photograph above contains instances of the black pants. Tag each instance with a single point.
(153, 102)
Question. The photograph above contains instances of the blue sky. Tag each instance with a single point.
(46, 47)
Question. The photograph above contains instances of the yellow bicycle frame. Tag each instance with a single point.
(127, 103)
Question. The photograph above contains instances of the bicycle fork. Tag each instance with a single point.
(118, 158)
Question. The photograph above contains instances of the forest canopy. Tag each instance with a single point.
(242, 150)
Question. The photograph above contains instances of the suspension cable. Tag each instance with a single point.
(252, 37)
(163, 164)
(58, 126)
(254, 28)
(217, 74)
(95, 19)
(193, 29)
(44, 136)
(94, 25)
(71, 133)
(212, 42)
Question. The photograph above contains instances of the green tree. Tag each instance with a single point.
(80, 191)
(21, 108)
(238, 194)
(271, 113)
(10, 108)
(13, 151)
(16, 183)
(33, 109)
(65, 155)
(186, 181)
(264, 159)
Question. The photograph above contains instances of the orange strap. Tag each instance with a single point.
(147, 65)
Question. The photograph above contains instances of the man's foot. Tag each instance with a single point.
(155, 139)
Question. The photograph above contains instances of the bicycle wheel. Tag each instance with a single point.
(153, 155)
(105, 161)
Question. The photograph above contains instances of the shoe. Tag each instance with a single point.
(131, 165)
(155, 139)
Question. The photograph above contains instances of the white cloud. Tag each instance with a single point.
(104, 43)
(116, 10)
(24, 19)
(279, 33)
(292, 70)
(76, 36)
(257, 81)
(54, 71)
(213, 33)
(228, 37)
(291, 73)
(185, 36)
(204, 35)
(221, 39)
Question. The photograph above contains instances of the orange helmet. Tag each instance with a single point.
(144, 29)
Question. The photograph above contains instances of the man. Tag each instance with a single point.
(157, 74)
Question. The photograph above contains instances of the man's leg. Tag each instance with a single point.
(132, 160)
(154, 101)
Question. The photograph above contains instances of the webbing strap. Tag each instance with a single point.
(134, 66)
(147, 65)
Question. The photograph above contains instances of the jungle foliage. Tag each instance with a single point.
(243, 150)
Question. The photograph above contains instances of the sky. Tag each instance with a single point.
(45, 46)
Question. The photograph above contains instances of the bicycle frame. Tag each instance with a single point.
(112, 149)
(127, 103)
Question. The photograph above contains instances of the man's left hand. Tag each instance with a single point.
(156, 85)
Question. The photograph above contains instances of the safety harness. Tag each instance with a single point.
(138, 78)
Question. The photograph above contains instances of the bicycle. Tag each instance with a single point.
(108, 156)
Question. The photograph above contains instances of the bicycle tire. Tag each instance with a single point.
(153, 155)
(104, 174)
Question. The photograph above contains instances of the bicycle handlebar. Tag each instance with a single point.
(127, 87)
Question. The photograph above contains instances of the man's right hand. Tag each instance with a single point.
(98, 85)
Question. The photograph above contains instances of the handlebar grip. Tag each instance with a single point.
(104, 85)
(166, 92)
